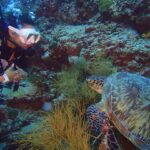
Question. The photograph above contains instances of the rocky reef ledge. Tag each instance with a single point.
(127, 48)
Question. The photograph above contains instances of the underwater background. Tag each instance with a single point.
(79, 38)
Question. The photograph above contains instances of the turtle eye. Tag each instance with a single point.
(99, 82)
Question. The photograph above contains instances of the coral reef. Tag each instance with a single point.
(128, 50)
(58, 59)
(134, 13)
(10, 128)
(70, 12)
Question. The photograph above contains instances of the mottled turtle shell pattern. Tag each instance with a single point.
(95, 119)
(126, 100)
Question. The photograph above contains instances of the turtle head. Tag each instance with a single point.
(96, 83)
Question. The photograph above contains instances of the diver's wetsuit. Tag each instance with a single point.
(17, 56)
(11, 55)
(19, 59)
(8, 55)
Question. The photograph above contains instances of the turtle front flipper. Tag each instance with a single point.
(95, 119)
(101, 129)
(109, 142)
(112, 141)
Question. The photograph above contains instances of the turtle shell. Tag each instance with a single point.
(126, 99)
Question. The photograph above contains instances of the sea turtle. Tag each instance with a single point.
(126, 103)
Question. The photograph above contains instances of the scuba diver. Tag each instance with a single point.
(17, 38)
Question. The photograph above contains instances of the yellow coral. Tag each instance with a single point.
(61, 130)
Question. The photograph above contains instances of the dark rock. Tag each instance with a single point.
(71, 12)
(57, 59)
(26, 104)
(134, 13)
(90, 29)
(146, 72)
(3, 114)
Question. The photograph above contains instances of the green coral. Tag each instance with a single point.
(104, 5)
(101, 65)
(71, 82)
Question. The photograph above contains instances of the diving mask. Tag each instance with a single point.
(25, 37)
